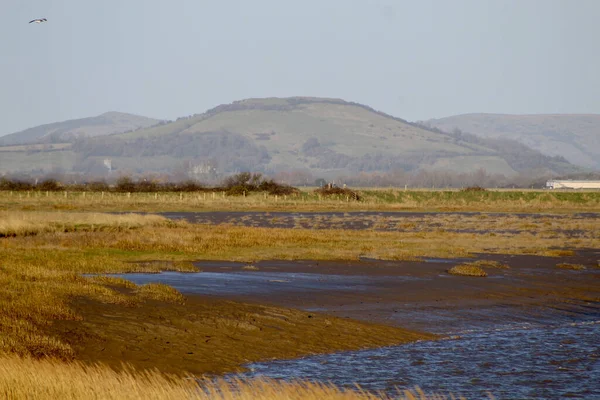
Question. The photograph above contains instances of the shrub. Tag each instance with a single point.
(125, 184)
(326, 191)
(246, 182)
(49, 185)
(189, 186)
(474, 189)
(6, 184)
(98, 186)
(274, 188)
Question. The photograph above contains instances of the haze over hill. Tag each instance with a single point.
(106, 124)
(324, 137)
(573, 136)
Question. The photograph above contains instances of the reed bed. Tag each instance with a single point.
(23, 378)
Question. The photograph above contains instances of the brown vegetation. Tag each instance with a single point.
(49, 380)
(337, 191)
(49, 309)
(467, 270)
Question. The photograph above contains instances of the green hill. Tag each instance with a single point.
(575, 137)
(326, 137)
(106, 124)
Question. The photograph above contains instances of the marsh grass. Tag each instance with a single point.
(24, 378)
(41, 268)
(32, 222)
(160, 292)
(51, 307)
(467, 270)
(37, 284)
(370, 199)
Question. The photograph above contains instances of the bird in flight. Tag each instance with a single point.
(38, 20)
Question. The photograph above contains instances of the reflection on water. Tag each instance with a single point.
(258, 282)
(551, 362)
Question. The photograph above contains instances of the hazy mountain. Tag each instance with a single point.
(325, 137)
(575, 137)
(105, 124)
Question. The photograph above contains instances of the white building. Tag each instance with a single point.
(571, 184)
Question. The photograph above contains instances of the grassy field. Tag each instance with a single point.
(49, 309)
(27, 379)
(527, 201)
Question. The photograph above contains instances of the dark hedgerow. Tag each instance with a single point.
(474, 189)
(16, 185)
(49, 185)
(247, 182)
(233, 185)
(332, 191)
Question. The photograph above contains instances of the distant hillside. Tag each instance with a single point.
(324, 137)
(106, 124)
(575, 137)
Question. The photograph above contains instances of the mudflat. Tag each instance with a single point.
(414, 295)
(211, 336)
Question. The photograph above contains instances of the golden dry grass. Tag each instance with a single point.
(22, 378)
(32, 222)
(40, 280)
(467, 270)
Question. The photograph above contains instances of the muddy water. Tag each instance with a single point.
(511, 350)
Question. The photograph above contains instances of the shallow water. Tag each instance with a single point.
(512, 351)
(259, 282)
(540, 362)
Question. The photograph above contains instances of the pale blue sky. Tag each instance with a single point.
(413, 59)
